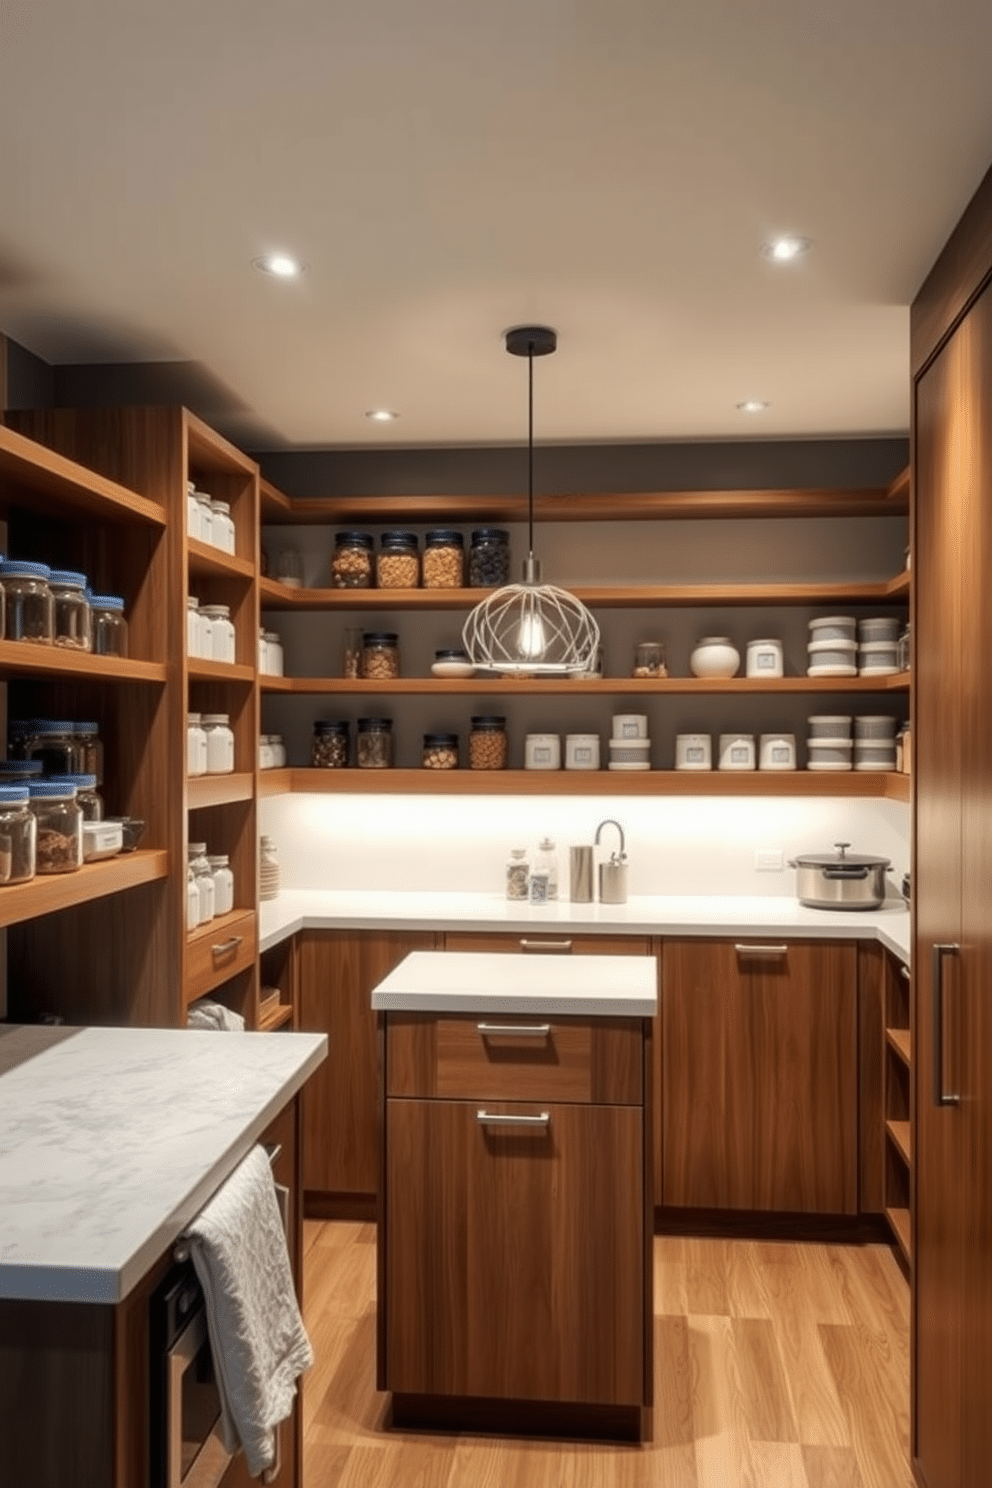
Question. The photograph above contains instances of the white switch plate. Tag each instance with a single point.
(769, 859)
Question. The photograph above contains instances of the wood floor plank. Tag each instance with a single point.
(723, 1447)
(706, 1278)
(795, 1292)
(832, 1467)
(747, 1296)
(671, 1296)
(779, 1464)
(770, 1417)
(866, 1373)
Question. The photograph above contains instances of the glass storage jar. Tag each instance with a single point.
(29, 609)
(444, 559)
(60, 826)
(352, 563)
(374, 744)
(380, 655)
(89, 798)
(73, 628)
(440, 752)
(109, 625)
(489, 558)
(204, 880)
(55, 744)
(222, 525)
(329, 750)
(223, 882)
(196, 745)
(398, 563)
(649, 659)
(18, 835)
(487, 742)
(220, 743)
(517, 874)
(351, 652)
(546, 861)
(266, 758)
(20, 771)
(90, 751)
(289, 568)
(222, 643)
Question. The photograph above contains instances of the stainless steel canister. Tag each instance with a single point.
(580, 861)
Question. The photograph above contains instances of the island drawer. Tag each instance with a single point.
(216, 951)
(514, 1057)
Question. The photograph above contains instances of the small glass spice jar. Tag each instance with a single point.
(28, 603)
(517, 874)
(329, 750)
(374, 744)
(487, 742)
(220, 743)
(60, 826)
(89, 747)
(649, 659)
(89, 798)
(489, 558)
(398, 562)
(444, 559)
(440, 752)
(351, 652)
(18, 835)
(352, 565)
(380, 655)
(109, 625)
(73, 628)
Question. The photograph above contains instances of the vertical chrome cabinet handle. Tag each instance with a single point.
(940, 1097)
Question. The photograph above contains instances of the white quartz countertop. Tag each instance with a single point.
(493, 982)
(670, 914)
(112, 1139)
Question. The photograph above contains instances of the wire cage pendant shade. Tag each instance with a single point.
(531, 628)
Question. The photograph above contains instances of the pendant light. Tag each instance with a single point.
(531, 629)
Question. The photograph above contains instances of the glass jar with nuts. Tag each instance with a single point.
(380, 655)
(649, 659)
(444, 559)
(352, 563)
(487, 743)
(329, 750)
(440, 752)
(374, 744)
(398, 563)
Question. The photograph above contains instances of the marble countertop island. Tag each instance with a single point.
(112, 1139)
(479, 982)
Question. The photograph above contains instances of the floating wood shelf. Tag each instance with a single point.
(899, 1040)
(22, 659)
(276, 1017)
(218, 790)
(49, 892)
(203, 558)
(30, 468)
(899, 1220)
(200, 670)
(565, 687)
(899, 1131)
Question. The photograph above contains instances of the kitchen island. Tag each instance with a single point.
(111, 1140)
(515, 1271)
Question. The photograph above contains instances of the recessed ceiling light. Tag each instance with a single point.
(279, 265)
(753, 405)
(785, 249)
(381, 415)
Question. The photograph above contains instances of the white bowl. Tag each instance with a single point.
(452, 669)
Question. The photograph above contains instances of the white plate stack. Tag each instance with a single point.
(268, 870)
(878, 646)
(833, 647)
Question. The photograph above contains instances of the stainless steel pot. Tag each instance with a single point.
(840, 880)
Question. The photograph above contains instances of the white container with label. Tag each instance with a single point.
(220, 743)
(223, 883)
(581, 751)
(764, 659)
(222, 526)
(630, 726)
(222, 632)
(737, 752)
(542, 752)
(777, 752)
(693, 752)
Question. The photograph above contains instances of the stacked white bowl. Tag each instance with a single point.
(630, 747)
(875, 742)
(878, 646)
(833, 647)
(829, 743)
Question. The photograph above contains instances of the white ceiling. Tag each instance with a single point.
(448, 168)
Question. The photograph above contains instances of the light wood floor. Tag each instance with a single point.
(776, 1366)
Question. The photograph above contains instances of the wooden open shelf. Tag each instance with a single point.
(577, 686)
(200, 670)
(898, 1039)
(23, 659)
(276, 596)
(276, 1017)
(218, 790)
(899, 1221)
(53, 891)
(27, 467)
(899, 1132)
(577, 782)
(203, 558)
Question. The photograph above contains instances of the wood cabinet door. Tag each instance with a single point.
(338, 970)
(509, 1249)
(759, 1083)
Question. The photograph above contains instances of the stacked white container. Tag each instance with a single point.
(878, 646)
(830, 743)
(630, 747)
(832, 647)
(875, 742)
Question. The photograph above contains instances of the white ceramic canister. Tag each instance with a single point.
(220, 743)
(206, 532)
(714, 656)
(542, 752)
(764, 659)
(205, 645)
(265, 760)
(630, 754)
(737, 752)
(777, 752)
(581, 751)
(222, 631)
(196, 745)
(833, 628)
(223, 883)
(276, 655)
(223, 526)
(693, 752)
(630, 726)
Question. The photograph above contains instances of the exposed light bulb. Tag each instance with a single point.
(531, 639)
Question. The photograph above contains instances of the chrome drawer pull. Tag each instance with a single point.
(761, 950)
(514, 1030)
(545, 945)
(225, 947)
(488, 1119)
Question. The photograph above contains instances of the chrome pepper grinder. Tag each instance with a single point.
(613, 875)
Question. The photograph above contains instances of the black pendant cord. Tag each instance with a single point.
(530, 450)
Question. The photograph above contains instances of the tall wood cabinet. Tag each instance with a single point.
(952, 952)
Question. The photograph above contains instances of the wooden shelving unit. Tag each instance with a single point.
(508, 687)
(897, 1077)
(46, 894)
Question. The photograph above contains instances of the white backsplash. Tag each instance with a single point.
(676, 844)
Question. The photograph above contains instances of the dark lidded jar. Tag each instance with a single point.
(374, 744)
(487, 743)
(489, 558)
(329, 750)
(352, 564)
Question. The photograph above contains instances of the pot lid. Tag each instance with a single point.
(830, 860)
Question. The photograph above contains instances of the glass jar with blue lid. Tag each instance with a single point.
(59, 820)
(29, 609)
(90, 750)
(20, 771)
(73, 628)
(89, 798)
(53, 742)
(109, 625)
(18, 835)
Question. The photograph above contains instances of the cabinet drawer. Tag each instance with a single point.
(217, 951)
(509, 1057)
(550, 942)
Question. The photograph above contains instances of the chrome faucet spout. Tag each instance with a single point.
(609, 822)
